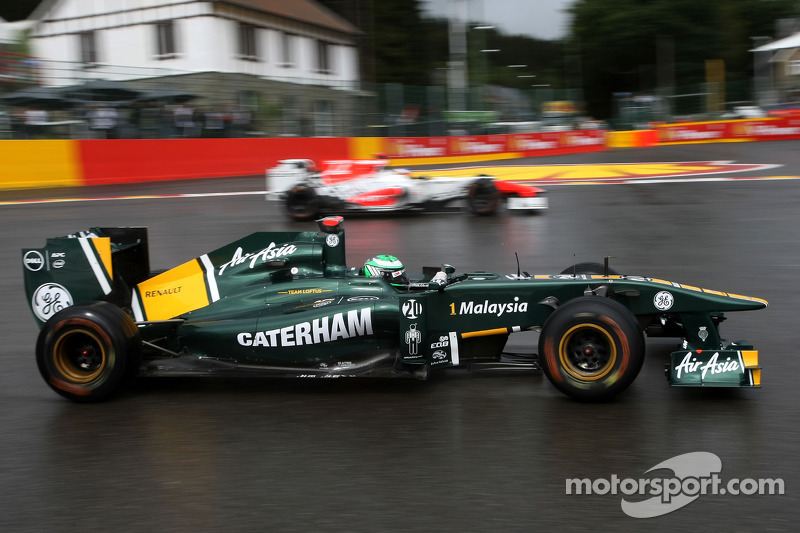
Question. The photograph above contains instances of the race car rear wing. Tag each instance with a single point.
(96, 264)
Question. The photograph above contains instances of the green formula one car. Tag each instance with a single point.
(286, 304)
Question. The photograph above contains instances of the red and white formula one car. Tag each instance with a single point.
(371, 185)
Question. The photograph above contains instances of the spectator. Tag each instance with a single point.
(103, 122)
(213, 123)
(35, 122)
(150, 121)
(185, 121)
(240, 122)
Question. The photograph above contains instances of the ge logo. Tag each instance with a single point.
(332, 240)
(49, 299)
(663, 300)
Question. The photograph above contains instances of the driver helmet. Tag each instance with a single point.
(388, 267)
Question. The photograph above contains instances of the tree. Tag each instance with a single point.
(402, 46)
(620, 42)
(519, 57)
(18, 9)
(394, 48)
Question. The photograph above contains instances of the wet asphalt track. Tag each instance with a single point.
(461, 453)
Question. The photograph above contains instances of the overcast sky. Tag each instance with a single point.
(543, 19)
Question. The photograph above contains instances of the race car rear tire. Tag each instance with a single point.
(86, 353)
(591, 348)
(483, 198)
(597, 269)
(302, 203)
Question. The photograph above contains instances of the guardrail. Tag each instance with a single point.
(58, 163)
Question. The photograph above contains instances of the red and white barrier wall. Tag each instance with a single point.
(766, 129)
(140, 160)
(444, 150)
(60, 163)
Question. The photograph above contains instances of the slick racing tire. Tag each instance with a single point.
(483, 198)
(302, 203)
(591, 348)
(596, 269)
(86, 353)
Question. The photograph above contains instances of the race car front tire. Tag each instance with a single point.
(483, 198)
(86, 353)
(302, 203)
(591, 348)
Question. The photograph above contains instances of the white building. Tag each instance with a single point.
(784, 56)
(294, 60)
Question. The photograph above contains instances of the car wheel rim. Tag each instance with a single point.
(587, 352)
(79, 356)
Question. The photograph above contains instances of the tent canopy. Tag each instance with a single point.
(793, 41)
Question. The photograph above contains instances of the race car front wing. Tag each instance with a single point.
(735, 366)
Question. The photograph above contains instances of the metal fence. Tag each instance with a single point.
(704, 101)
(107, 101)
(71, 100)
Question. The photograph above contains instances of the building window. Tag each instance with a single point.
(793, 68)
(290, 116)
(165, 40)
(323, 57)
(323, 118)
(287, 49)
(87, 46)
(248, 43)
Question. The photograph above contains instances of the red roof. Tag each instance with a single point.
(306, 11)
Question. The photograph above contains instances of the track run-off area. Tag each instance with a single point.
(536, 174)
(617, 173)
(463, 451)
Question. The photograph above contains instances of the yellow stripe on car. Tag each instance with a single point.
(717, 293)
(750, 358)
(103, 247)
(484, 333)
(751, 298)
(99, 262)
